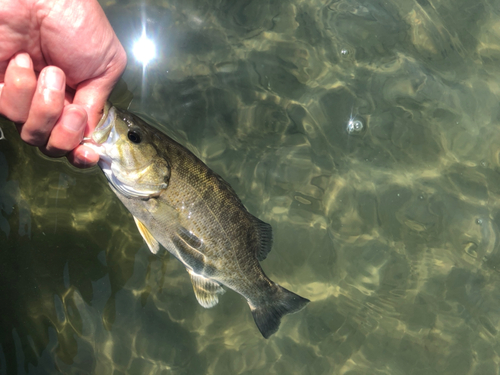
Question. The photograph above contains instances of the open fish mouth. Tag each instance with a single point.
(99, 149)
(104, 131)
(103, 136)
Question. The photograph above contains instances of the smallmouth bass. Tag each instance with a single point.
(178, 202)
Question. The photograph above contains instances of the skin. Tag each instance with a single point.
(59, 61)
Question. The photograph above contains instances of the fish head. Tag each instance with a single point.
(129, 157)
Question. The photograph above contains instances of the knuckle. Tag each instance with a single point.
(49, 113)
(15, 116)
(23, 83)
(47, 106)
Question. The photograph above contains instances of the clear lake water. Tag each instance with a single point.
(366, 132)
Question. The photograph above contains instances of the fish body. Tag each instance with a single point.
(180, 203)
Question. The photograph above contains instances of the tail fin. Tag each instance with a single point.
(268, 316)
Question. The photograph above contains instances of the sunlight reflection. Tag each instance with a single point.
(144, 49)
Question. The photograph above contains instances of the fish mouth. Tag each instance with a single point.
(104, 160)
(104, 134)
(104, 128)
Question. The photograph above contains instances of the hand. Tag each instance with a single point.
(59, 61)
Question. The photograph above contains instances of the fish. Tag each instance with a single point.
(179, 203)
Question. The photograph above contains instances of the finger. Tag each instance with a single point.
(19, 87)
(3, 68)
(83, 157)
(93, 93)
(92, 96)
(46, 107)
(67, 132)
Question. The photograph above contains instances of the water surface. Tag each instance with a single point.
(391, 230)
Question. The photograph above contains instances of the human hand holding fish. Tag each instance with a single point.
(59, 60)
(177, 202)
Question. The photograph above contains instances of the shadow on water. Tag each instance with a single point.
(391, 231)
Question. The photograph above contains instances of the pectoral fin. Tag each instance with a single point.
(206, 291)
(189, 251)
(153, 245)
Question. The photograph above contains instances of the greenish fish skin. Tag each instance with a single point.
(178, 202)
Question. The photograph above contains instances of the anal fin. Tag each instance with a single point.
(206, 291)
(153, 245)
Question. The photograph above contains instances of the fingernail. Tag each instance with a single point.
(23, 60)
(73, 121)
(53, 79)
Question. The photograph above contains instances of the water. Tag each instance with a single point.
(391, 230)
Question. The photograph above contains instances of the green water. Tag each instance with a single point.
(391, 232)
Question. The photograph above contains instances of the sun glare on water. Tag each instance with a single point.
(144, 49)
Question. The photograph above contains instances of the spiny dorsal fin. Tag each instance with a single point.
(206, 291)
(153, 245)
(265, 239)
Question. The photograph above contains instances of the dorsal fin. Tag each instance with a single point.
(206, 291)
(265, 238)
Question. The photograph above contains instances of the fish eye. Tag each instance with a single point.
(134, 136)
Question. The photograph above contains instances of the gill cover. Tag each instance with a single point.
(131, 164)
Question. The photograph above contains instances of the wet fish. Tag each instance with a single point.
(178, 202)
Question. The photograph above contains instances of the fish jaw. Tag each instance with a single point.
(106, 164)
(128, 182)
(105, 126)
(103, 136)
(104, 160)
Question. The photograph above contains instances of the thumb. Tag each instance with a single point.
(92, 95)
